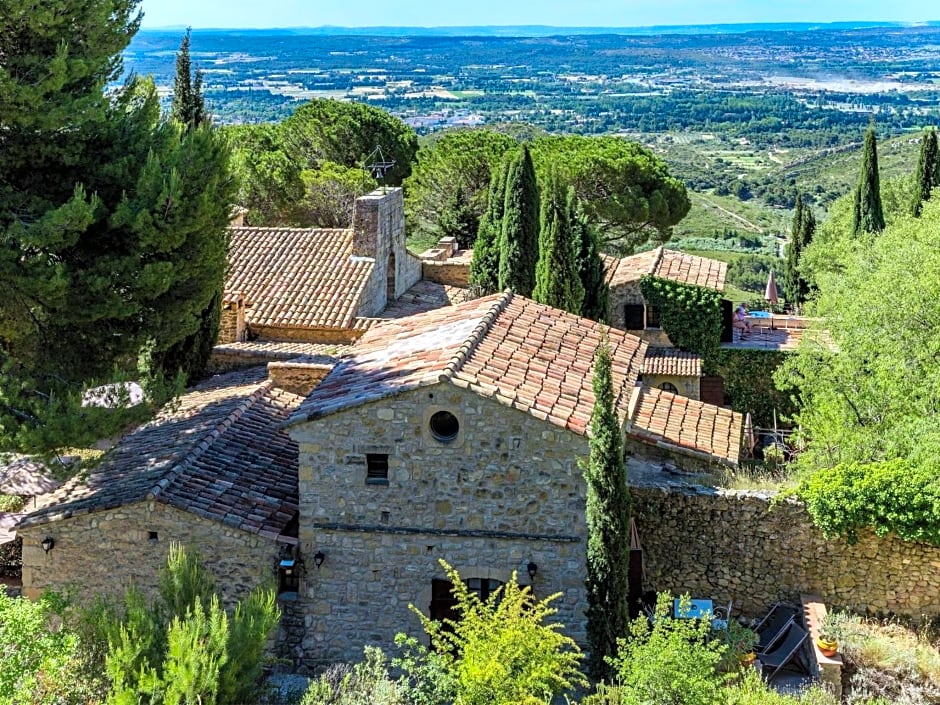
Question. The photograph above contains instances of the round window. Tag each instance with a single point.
(669, 387)
(444, 426)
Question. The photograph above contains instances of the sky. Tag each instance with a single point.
(246, 14)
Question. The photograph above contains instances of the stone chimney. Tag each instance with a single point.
(232, 328)
(379, 223)
(237, 217)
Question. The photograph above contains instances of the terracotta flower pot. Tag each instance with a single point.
(828, 647)
(748, 659)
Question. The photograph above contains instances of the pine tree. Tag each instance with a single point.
(110, 219)
(868, 214)
(557, 280)
(484, 267)
(189, 105)
(591, 269)
(458, 220)
(927, 176)
(608, 524)
(518, 242)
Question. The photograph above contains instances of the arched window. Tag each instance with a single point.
(669, 387)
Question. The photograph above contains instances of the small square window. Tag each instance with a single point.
(652, 317)
(376, 468)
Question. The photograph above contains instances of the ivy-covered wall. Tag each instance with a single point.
(691, 317)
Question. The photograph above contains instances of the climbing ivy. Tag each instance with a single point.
(690, 315)
(893, 496)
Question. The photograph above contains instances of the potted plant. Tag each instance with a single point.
(827, 644)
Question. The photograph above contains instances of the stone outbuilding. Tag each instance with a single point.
(214, 471)
(457, 435)
(318, 285)
(626, 306)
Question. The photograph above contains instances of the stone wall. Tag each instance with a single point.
(688, 386)
(738, 546)
(449, 273)
(296, 376)
(506, 491)
(104, 553)
(630, 293)
(232, 321)
(327, 336)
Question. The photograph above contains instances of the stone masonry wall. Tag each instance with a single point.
(328, 336)
(738, 546)
(447, 273)
(106, 552)
(506, 491)
(232, 322)
(630, 293)
(297, 377)
(688, 386)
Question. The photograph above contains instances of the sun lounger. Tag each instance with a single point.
(786, 648)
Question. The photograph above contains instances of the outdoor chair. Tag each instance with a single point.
(721, 616)
(784, 651)
(772, 627)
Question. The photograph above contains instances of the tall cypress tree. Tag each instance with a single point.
(927, 176)
(868, 213)
(557, 280)
(591, 270)
(519, 237)
(608, 524)
(189, 105)
(484, 267)
(794, 249)
(109, 218)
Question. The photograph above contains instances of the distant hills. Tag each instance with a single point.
(547, 30)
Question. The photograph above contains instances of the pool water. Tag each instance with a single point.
(760, 314)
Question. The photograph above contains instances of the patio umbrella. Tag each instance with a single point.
(770, 293)
(749, 433)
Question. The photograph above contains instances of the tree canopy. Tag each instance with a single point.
(869, 213)
(871, 390)
(557, 274)
(927, 175)
(112, 218)
(519, 237)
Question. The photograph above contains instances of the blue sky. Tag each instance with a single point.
(572, 13)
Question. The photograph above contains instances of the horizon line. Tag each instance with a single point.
(811, 23)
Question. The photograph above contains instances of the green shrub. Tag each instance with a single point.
(670, 661)
(690, 315)
(11, 503)
(890, 497)
(750, 689)
(365, 683)
(501, 651)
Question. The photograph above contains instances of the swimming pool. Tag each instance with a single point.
(760, 314)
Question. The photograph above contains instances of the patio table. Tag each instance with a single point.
(696, 609)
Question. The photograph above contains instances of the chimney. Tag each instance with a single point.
(237, 217)
(378, 223)
(232, 328)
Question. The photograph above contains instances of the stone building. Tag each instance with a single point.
(318, 285)
(457, 435)
(627, 308)
(213, 471)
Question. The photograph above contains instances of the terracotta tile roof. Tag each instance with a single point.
(690, 426)
(526, 355)
(219, 453)
(667, 264)
(671, 361)
(26, 476)
(295, 277)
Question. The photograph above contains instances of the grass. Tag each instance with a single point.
(888, 660)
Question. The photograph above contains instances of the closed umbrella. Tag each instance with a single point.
(770, 293)
(749, 433)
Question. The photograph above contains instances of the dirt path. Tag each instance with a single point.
(734, 216)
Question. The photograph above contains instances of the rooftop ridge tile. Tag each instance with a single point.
(479, 332)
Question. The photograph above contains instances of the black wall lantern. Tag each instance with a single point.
(533, 569)
(48, 544)
(318, 559)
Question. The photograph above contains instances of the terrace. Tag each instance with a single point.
(778, 332)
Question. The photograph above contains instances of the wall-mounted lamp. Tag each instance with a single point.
(318, 559)
(48, 544)
(533, 569)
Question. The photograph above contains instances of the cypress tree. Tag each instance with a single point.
(927, 176)
(608, 524)
(518, 241)
(557, 280)
(189, 105)
(868, 214)
(458, 220)
(793, 250)
(591, 270)
(484, 267)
